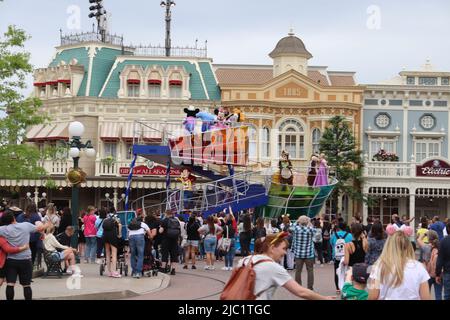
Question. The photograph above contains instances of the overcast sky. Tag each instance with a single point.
(375, 38)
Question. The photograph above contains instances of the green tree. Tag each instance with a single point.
(17, 159)
(339, 146)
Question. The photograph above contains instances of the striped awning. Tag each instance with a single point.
(110, 131)
(42, 134)
(127, 131)
(34, 130)
(60, 132)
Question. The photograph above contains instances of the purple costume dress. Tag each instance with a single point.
(322, 176)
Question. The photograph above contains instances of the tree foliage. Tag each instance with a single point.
(339, 146)
(17, 160)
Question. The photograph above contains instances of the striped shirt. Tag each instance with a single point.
(302, 241)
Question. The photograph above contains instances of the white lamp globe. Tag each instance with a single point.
(123, 195)
(90, 152)
(44, 194)
(106, 195)
(74, 152)
(76, 129)
(28, 194)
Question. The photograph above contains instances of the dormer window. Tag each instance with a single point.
(175, 88)
(53, 88)
(41, 89)
(65, 85)
(154, 88)
(410, 80)
(428, 81)
(133, 87)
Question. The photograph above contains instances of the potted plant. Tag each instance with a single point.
(382, 155)
(108, 161)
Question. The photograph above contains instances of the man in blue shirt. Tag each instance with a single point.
(438, 226)
(303, 248)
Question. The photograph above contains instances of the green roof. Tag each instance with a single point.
(81, 54)
(201, 78)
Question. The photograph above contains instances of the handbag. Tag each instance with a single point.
(225, 243)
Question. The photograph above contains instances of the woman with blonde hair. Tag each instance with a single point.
(67, 254)
(51, 215)
(396, 275)
(269, 274)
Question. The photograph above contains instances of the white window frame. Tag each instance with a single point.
(314, 141)
(175, 91)
(133, 90)
(265, 143)
(108, 148)
(299, 134)
(382, 141)
(427, 152)
(252, 142)
(153, 89)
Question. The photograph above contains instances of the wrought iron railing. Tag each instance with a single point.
(140, 50)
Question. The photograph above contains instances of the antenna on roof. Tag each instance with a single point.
(291, 31)
(99, 12)
(168, 4)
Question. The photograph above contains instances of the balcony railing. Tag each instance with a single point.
(56, 167)
(386, 169)
(90, 37)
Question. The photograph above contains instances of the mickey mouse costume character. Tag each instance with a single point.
(187, 180)
(189, 121)
(285, 166)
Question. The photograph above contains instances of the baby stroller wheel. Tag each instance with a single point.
(126, 270)
(102, 269)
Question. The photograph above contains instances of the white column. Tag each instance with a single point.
(115, 201)
(365, 213)
(412, 206)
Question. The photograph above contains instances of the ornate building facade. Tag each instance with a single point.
(408, 117)
(107, 87)
(289, 103)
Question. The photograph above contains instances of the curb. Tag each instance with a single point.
(113, 295)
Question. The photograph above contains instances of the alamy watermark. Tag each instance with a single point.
(374, 19)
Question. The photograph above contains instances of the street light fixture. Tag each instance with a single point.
(76, 130)
(168, 4)
(36, 198)
(122, 198)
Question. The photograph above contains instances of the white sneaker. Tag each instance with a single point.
(212, 268)
(206, 267)
(230, 268)
(69, 271)
(224, 268)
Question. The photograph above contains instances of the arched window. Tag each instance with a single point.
(154, 85)
(133, 84)
(265, 143)
(291, 139)
(252, 142)
(316, 136)
(175, 85)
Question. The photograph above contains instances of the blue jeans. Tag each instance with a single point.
(91, 249)
(446, 284)
(229, 256)
(437, 288)
(137, 244)
(210, 244)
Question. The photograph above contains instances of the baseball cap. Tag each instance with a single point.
(360, 273)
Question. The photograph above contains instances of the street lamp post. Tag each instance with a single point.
(36, 198)
(76, 130)
(115, 201)
(168, 4)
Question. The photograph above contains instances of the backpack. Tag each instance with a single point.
(317, 235)
(241, 284)
(108, 224)
(173, 228)
(134, 225)
(339, 247)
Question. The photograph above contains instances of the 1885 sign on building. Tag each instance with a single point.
(434, 169)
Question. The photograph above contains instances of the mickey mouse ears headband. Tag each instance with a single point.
(280, 235)
(393, 228)
(286, 215)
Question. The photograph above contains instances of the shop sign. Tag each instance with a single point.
(149, 171)
(433, 169)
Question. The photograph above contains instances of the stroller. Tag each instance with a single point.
(122, 258)
(151, 265)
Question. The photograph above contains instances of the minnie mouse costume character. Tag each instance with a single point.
(189, 121)
(220, 119)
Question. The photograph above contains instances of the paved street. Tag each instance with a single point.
(203, 284)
